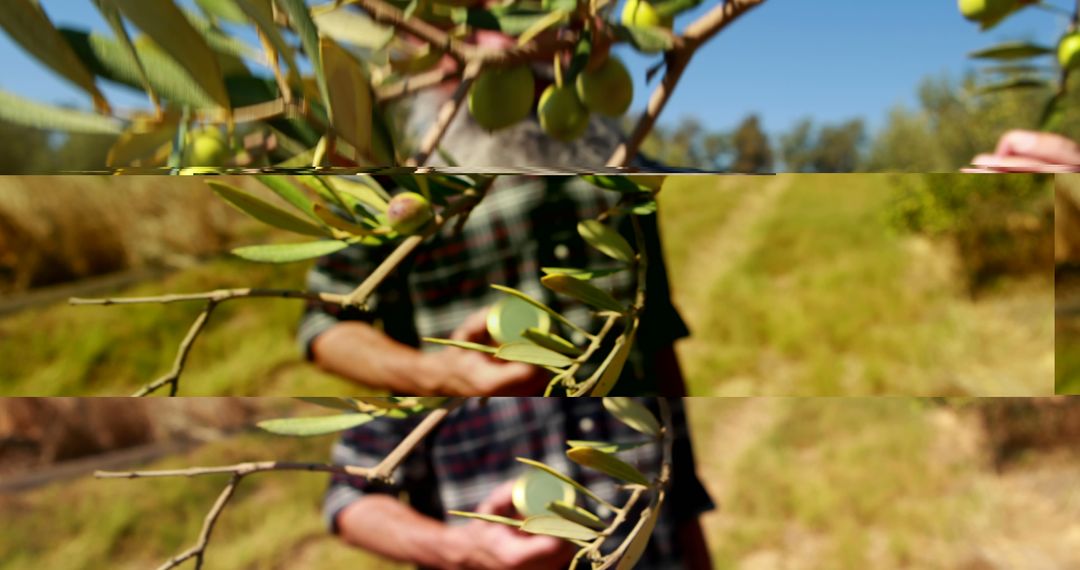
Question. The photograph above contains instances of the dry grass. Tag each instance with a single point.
(55, 229)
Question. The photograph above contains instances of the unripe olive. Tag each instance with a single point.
(1069, 51)
(206, 147)
(408, 213)
(987, 12)
(562, 116)
(642, 13)
(501, 97)
(607, 90)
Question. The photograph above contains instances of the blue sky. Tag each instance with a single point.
(827, 59)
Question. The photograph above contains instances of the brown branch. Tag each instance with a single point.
(383, 471)
(696, 34)
(414, 83)
(212, 298)
(360, 295)
(385, 13)
(446, 115)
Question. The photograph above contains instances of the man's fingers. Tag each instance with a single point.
(1044, 147)
(473, 329)
(1004, 163)
(499, 501)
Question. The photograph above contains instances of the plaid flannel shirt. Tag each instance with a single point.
(524, 224)
(475, 447)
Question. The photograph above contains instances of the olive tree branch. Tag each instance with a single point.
(447, 112)
(658, 488)
(212, 299)
(696, 34)
(357, 298)
(468, 201)
(382, 472)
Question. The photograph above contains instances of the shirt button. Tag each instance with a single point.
(562, 252)
(586, 425)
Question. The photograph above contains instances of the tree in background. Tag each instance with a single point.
(828, 148)
(753, 153)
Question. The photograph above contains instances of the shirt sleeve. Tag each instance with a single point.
(689, 498)
(366, 446)
(389, 307)
(661, 323)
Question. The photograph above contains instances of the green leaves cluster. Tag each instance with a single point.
(550, 350)
(358, 411)
(342, 211)
(580, 524)
(1015, 65)
(312, 82)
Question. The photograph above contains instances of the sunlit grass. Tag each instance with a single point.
(248, 347)
(830, 299)
(91, 524)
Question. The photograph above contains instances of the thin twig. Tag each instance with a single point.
(212, 298)
(696, 34)
(383, 471)
(447, 112)
(414, 83)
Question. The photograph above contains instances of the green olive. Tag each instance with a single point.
(642, 13)
(608, 89)
(501, 97)
(562, 116)
(408, 213)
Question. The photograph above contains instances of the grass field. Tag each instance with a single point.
(792, 285)
(826, 483)
(798, 285)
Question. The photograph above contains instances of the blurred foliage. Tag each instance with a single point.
(827, 148)
(45, 151)
(1001, 224)
(955, 120)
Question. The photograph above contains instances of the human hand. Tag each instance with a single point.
(1029, 151)
(459, 372)
(481, 545)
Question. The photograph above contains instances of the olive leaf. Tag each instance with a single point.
(586, 274)
(1011, 50)
(463, 344)
(576, 514)
(488, 518)
(582, 291)
(606, 446)
(261, 12)
(22, 111)
(613, 365)
(111, 59)
(530, 353)
(318, 425)
(142, 140)
(226, 10)
(281, 186)
(1019, 83)
(349, 94)
(520, 295)
(608, 241)
(551, 525)
(552, 471)
(265, 212)
(333, 403)
(289, 252)
(634, 414)
(606, 463)
(552, 341)
(641, 540)
(26, 23)
(337, 222)
(170, 29)
(300, 19)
